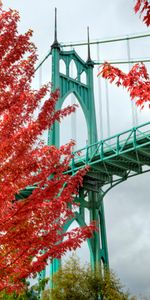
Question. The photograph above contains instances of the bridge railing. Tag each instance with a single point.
(113, 146)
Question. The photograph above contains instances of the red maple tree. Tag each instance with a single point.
(137, 81)
(31, 229)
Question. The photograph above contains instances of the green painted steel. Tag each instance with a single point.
(68, 85)
(134, 140)
(111, 161)
(88, 199)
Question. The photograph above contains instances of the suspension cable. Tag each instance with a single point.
(107, 108)
(43, 60)
(40, 76)
(133, 106)
(76, 44)
(121, 62)
(100, 99)
(73, 115)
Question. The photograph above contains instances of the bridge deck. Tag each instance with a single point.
(116, 158)
(111, 160)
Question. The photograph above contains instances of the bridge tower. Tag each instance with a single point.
(90, 196)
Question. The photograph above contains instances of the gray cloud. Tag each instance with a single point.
(127, 211)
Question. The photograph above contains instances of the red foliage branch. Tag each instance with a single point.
(143, 6)
(31, 229)
(137, 81)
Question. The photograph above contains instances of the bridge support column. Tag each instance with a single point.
(99, 255)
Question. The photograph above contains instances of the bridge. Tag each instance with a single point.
(111, 160)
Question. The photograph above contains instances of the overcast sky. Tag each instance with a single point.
(127, 207)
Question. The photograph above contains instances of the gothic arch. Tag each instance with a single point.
(73, 71)
(81, 223)
(83, 77)
(84, 109)
(70, 127)
(62, 66)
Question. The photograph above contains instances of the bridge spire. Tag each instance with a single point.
(55, 44)
(89, 60)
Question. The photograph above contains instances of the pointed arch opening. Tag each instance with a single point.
(83, 77)
(73, 73)
(102, 267)
(87, 216)
(83, 252)
(62, 67)
(74, 126)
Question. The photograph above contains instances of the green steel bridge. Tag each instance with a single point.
(111, 161)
